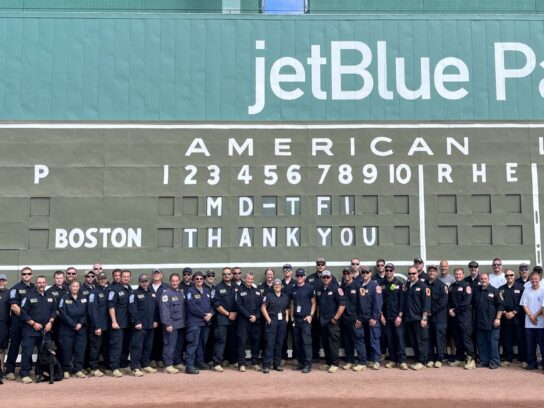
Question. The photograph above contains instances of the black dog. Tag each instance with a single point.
(47, 364)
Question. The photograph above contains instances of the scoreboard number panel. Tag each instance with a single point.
(265, 194)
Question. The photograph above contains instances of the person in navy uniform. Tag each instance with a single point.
(187, 281)
(118, 297)
(331, 305)
(438, 318)
(460, 308)
(303, 309)
(224, 303)
(88, 285)
(16, 295)
(144, 317)
(275, 310)
(98, 325)
(315, 280)
(369, 313)
(4, 321)
(352, 332)
(73, 330)
(248, 306)
(488, 311)
(199, 319)
(417, 307)
(172, 312)
(157, 286)
(392, 319)
(512, 319)
(523, 271)
(288, 283)
(59, 287)
(38, 311)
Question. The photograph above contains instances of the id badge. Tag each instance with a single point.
(299, 309)
(280, 316)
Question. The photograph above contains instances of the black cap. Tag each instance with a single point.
(390, 266)
(89, 273)
(431, 267)
(287, 267)
(365, 268)
(418, 260)
(537, 269)
(523, 267)
(198, 273)
(210, 272)
(187, 270)
(300, 272)
(473, 264)
(346, 270)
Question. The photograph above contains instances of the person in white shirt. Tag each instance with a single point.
(497, 279)
(537, 269)
(532, 301)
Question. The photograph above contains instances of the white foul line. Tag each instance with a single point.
(536, 214)
(421, 192)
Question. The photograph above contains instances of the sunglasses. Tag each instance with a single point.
(300, 276)
(98, 268)
(346, 273)
(365, 272)
(199, 279)
(227, 274)
(320, 263)
(353, 263)
(412, 273)
(509, 276)
(69, 274)
(236, 273)
(497, 264)
(187, 274)
(27, 274)
(210, 276)
(389, 270)
(473, 267)
(380, 265)
(325, 277)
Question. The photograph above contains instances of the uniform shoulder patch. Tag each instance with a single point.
(111, 295)
(340, 292)
(131, 299)
(164, 298)
(378, 289)
(189, 296)
(12, 293)
(264, 299)
(469, 290)
(91, 298)
(61, 302)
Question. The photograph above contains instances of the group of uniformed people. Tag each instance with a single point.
(192, 323)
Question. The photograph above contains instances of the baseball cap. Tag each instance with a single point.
(3, 277)
(102, 275)
(300, 272)
(89, 273)
(210, 272)
(418, 260)
(276, 282)
(473, 264)
(157, 270)
(432, 267)
(321, 260)
(523, 266)
(198, 273)
(326, 273)
(390, 266)
(287, 267)
(365, 268)
(346, 270)
(187, 270)
(143, 277)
